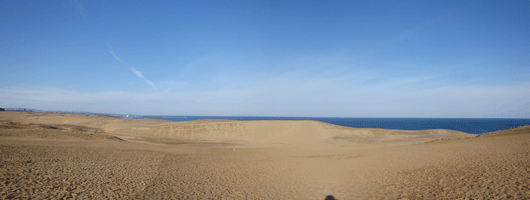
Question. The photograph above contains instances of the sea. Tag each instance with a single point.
(467, 125)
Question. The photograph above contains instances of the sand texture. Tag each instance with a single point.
(65, 155)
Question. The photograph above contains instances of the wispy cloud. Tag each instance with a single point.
(111, 51)
(138, 73)
(295, 96)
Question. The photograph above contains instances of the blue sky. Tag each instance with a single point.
(268, 58)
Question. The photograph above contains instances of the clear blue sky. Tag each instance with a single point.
(268, 58)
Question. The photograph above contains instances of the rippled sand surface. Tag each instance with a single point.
(56, 156)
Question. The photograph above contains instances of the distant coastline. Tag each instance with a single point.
(467, 125)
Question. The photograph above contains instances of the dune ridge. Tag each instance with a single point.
(265, 132)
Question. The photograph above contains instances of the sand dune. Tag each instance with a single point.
(53, 155)
(249, 133)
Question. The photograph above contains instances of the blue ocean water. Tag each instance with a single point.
(468, 125)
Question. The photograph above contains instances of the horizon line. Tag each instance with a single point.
(21, 109)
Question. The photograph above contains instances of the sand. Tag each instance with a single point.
(65, 155)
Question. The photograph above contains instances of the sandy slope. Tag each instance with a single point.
(85, 156)
(249, 133)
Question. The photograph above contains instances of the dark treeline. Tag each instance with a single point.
(18, 109)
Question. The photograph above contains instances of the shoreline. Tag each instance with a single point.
(464, 126)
